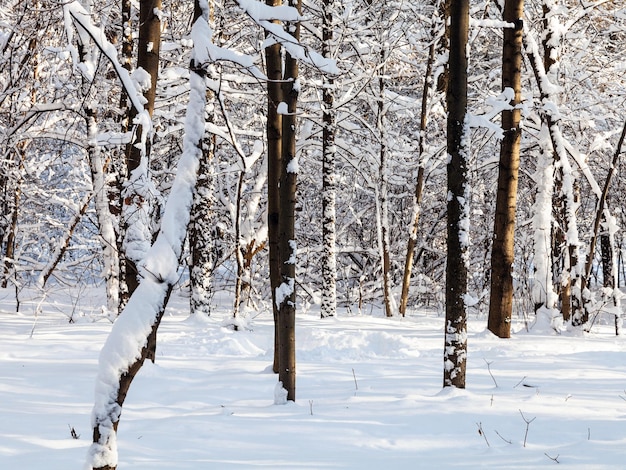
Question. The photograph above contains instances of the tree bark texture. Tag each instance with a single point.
(287, 247)
(503, 252)
(455, 349)
(149, 43)
(329, 185)
(274, 129)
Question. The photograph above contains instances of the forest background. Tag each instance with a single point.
(97, 98)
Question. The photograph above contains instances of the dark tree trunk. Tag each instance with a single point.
(455, 350)
(287, 235)
(147, 58)
(503, 252)
(274, 130)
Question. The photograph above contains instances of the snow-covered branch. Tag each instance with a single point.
(75, 13)
(126, 347)
(264, 16)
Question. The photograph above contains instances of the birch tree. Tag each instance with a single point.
(329, 183)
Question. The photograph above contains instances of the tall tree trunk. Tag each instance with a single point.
(382, 203)
(455, 329)
(136, 200)
(543, 287)
(329, 186)
(274, 129)
(202, 223)
(503, 252)
(565, 199)
(286, 298)
(419, 184)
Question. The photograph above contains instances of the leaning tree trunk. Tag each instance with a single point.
(455, 329)
(142, 315)
(502, 251)
(419, 185)
(565, 192)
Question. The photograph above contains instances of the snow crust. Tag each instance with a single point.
(210, 397)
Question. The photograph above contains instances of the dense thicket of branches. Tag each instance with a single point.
(49, 223)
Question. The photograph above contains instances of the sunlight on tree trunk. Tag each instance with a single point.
(503, 249)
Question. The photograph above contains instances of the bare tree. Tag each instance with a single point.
(329, 183)
(455, 350)
(502, 251)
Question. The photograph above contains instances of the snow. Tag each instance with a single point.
(282, 108)
(369, 393)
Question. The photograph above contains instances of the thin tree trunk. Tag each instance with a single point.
(503, 251)
(9, 253)
(419, 185)
(238, 249)
(455, 329)
(383, 194)
(135, 201)
(274, 129)
(329, 187)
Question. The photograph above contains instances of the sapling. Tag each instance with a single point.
(489, 369)
(527, 421)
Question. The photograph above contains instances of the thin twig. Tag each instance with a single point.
(527, 425)
(489, 369)
(556, 459)
(517, 384)
(482, 433)
(505, 440)
(356, 385)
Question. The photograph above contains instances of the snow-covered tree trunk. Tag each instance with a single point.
(201, 231)
(503, 250)
(127, 346)
(13, 214)
(543, 288)
(286, 292)
(564, 194)
(455, 330)
(329, 184)
(138, 194)
(382, 193)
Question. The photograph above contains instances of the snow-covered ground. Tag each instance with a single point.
(369, 394)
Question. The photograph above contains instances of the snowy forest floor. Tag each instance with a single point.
(369, 393)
